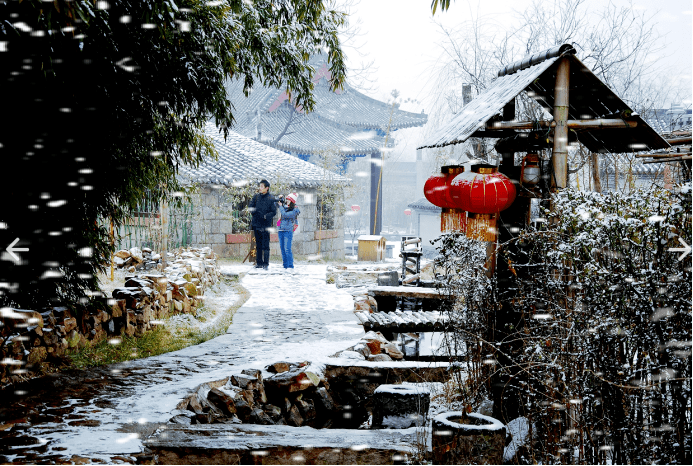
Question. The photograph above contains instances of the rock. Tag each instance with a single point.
(70, 324)
(122, 254)
(306, 407)
(379, 358)
(73, 339)
(259, 390)
(374, 347)
(293, 417)
(118, 262)
(136, 254)
(37, 355)
(362, 306)
(258, 416)
(362, 348)
(245, 382)
(131, 295)
(348, 354)
(180, 419)
(223, 401)
(274, 412)
(191, 289)
(278, 367)
(204, 418)
(117, 307)
(137, 282)
(375, 336)
(146, 250)
(20, 318)
(392, 351)
(243, 409)
(292, 381)
(177, 305)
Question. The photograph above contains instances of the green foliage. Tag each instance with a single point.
(109, 102)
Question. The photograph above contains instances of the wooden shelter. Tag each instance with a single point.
(583, 109)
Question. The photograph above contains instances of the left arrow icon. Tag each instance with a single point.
(11, 249)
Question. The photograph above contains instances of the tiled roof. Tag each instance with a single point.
(352, 108)
(242, 159)
(424, 204)
(347, 120)
(308, 134)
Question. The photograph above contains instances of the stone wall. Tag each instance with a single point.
(35, 342)
(213, 227)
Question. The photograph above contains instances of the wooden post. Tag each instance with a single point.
(560, 132)
(112, 244)
(595, 173)
(164, 232)
(376, 221)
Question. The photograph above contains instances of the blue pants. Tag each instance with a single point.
(285, 239)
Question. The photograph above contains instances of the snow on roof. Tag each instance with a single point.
(242, 159)
(424, 204)
(590, 98)
(346, 120)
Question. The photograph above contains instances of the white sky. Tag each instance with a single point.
(405, 43)
(403, 40)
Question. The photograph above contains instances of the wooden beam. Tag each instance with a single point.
(679, 141)
(664, 155)
(673, 159)
(598, 123)
(560, 132)
(495, 133)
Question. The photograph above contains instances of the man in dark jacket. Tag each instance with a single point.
(263, 209)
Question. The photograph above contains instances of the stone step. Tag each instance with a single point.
(258, 444)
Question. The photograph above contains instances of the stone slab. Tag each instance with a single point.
(258, 444)
(408, 292)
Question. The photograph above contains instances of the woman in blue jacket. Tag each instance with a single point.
(287, 224)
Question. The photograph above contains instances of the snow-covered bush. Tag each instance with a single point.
(601, 350)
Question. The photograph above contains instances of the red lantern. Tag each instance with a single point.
(484, 191)
(437, 190)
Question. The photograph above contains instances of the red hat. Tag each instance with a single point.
(293, 197)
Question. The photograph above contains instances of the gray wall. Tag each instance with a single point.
(212, 221)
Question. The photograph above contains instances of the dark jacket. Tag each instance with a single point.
(263, 210)
(289, 218)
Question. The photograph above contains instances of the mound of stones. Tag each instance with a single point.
(293, 394)
(372, 347)
(35, 341)
(134, 259)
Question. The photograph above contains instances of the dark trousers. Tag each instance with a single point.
(262, 245)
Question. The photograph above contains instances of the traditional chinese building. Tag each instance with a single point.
(216, 220)
(344, 121)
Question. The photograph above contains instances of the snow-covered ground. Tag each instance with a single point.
(290, 317)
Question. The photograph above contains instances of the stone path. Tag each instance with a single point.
(102, 414)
